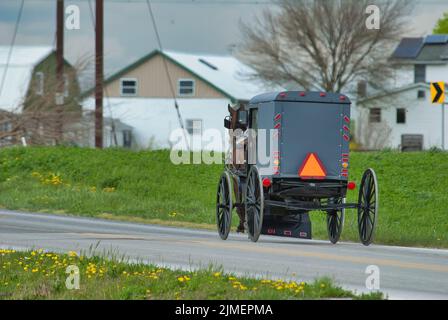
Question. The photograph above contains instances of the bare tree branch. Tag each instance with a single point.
(323, 44)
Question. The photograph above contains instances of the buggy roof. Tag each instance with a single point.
(301, 96)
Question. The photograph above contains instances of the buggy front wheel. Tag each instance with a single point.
(224, 206)
(367, 207)
(254, 204)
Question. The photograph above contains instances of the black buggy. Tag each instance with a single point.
(308, 169)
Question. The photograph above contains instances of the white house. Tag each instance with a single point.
(143, 96)
(404, 117)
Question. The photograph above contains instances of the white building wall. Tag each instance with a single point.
(155, 122)
(435, 73)
(403, 76)
(422, 117)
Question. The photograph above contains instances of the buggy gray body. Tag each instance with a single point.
(306, 124)
(307, 136)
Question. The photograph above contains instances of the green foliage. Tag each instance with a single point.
(146, 187)
(442, 25)
(42, 275)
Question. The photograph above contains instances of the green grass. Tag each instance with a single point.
(42, 275)
(146, 187)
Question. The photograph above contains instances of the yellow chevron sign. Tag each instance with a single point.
(438, 92)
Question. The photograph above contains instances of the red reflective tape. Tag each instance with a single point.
(287, 232)
(344, 174)
(346, 137)
(346, 128)
(278, 117)
(344, 159)
(346, 119)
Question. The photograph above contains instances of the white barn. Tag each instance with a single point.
(142, 96)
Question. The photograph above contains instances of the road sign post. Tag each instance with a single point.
(438, 96)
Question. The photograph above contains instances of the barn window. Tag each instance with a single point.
(186, 87)
(127, 138)
(194, 126)
(66, 86)
(419, 73)
(375, 115)
(128, 87)
(401, 115)
(40, 77)
(421, 94)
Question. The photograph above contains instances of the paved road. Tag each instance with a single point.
(404, 272)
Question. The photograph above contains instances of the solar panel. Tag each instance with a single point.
(408, 48)
(437, 39)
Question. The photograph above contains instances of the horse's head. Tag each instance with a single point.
(234, 116)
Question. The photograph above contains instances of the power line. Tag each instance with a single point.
(13, 41)
(173, 93)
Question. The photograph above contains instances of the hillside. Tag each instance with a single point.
(145, 186)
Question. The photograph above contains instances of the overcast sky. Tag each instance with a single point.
(208, 26)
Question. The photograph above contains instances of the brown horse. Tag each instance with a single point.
(238, 166)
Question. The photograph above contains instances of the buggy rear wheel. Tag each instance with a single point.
(254, 204)
(224, 206)
(335, 222)
(367, 207)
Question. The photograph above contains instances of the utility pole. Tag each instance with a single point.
(443, 126)
(59, 68)
(99, 60)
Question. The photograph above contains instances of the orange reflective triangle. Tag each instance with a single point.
(312, 168)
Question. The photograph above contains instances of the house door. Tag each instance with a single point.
(411, 142)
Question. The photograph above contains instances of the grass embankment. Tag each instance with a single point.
(147, 187)
(42, 275)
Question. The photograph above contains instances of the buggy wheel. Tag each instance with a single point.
(335, 222)
(254, 204)
(224, 206)
(367, 207)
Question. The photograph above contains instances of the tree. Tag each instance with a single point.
(442, 25)
(323, 44)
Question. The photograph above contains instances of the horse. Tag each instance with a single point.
(236, 166)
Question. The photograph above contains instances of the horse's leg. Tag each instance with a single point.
(240, 209)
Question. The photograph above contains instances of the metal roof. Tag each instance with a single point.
(301, 96)
(431, 49)
(19, 72)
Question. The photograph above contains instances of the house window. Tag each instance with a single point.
(419, 73)
(66, 86)
(421, 94)
(401, 115)
(128, 87)
(186, 87)
(362, 89)
(127, 138)
(375, 115)
(39, 83)
(194, 126)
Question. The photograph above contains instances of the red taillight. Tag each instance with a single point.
(342, 98)
(267, 182)
(283, 94)
(323, 94)
(302, 94)
(351, 185)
